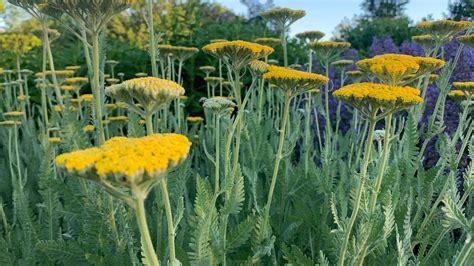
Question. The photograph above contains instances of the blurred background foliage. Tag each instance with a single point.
(197, 22)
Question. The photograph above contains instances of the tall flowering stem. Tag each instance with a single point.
(151, 93)
(122, 163)
(292, 83)
(87, 21)
(282, 18)
(375, 102)
(328, 52)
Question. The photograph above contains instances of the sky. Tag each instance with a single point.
(325, 15)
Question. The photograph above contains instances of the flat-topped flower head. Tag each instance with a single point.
(141, 74)
(343, 63)
(54, 140)
(428, 64)
(237, 54)
(13, 114)
(258, 67)
(460, 95)
(425, 41)
(184, 53)
(207, 69)
(373, 97)
(9, 123)
(149, 92)
(194, 119)
(88, 128)
(91, 13)
(21, 98)
(112, 63)
(86, 97)
(214, 81)
(283, 17)
(73, 68)
(76, 80)
(67, 87)
(467, 86)
(166, 50)
(310, 36)
(269, 41)
(328, 50)
(467, 39)
(356, 75)
(443, 30)
(294, 82)
(26, 72)
(120, 118)
(395, 69)
(128, 162)
(219, 105)
(112, 81)
(217, 40)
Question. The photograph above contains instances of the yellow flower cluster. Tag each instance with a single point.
(120, 118)
(195, 119)
(149, 92)
(86, 97)
(54, 140)
(458, 94)
(76, 80)
(466, 39)
(394, 69)
(355, 75)
(328, 50)
(88, 128)
(21, 98)
(258, 66)
(67, 87)
(14, 114)
(9, 123)
(467, 86)
(293, 81)
(310, 36)
(268, 41)
(128, 161)
(375, 94)
(425, 41)
(183, 53)
(443, 29)
(207, 69)
(237, 53)
(57, 72)
(283, 17)
(73, 68)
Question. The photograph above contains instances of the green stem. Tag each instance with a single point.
(284, 46)
(465, 252)
(145, 234)
(17, 153)
(169, 219)
(97, 88)
(378, 182)
(149, 123)
(278, 158)
(360, 187)
(151, 30)
(47, 44)
(217, 173)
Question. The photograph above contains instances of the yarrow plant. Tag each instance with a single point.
(228, 154)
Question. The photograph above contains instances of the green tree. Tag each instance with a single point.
(384, 8)
(461, 9)
(361, 31)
